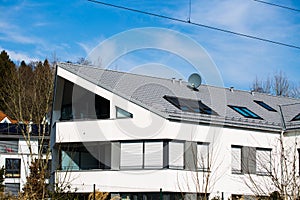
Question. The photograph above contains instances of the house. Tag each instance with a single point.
(5, 118)
(141, 137)
(15, 156)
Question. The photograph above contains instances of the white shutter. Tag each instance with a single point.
(131, 155)
(202, 156)
(263, 161)
(176, 155)
(153, 155)
(236, 159)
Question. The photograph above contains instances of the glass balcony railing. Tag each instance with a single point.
(20, 129)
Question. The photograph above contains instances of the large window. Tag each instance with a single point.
(190, 105)
(79, 103)
(141, 155)
(176, 155)
(203, 156)
(131, 155)
(263, 161)
(153, 155)
(236, 159)
(79, 158)
(12, 168)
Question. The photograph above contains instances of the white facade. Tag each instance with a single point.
(148, 151)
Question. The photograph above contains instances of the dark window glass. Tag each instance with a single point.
(245, 112)
(296, 118)
(79, 103)
(190, 105)
(266, 106)
(12, 168)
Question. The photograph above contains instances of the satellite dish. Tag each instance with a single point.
(195, 80)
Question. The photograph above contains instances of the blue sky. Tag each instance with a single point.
(35, 30)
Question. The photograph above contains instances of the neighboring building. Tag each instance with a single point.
(133, 135)
(14, 151)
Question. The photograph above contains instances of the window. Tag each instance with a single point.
(12, 188)
(12, 168)
(141, 155)
(9, 146)
(153, 155)
(203, 156)
(189, 105)
(123, 113)
(70, 160)
(264, 105)
(78, 159)
(176, 155)
(263, 161)
(296, 118)
(79, 103)
(236, 159)
(245, 112)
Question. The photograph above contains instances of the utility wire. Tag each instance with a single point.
(198, 24)
(190, 10)
(277, 5)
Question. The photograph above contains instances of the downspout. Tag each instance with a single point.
(283, 130)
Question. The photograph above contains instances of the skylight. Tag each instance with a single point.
(190, 105)
(296, 118)
(245, 112)
(264, 105)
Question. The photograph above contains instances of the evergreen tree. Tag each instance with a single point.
(7, 71)
(35, 187)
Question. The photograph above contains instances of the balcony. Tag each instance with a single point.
(20, 129)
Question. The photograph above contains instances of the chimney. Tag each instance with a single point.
(173, 80)
(180, 81)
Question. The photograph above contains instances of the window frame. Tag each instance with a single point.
(206, 161)
(245, 112)
(190, 105)
(296, 118)
(143, 164)
(234, 171)
(123, 117)
(263, 173)
(12, 171)
(183, 155)
(265, 106)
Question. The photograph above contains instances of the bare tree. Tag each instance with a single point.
(27, 96)
(280, 172)
(278, 85)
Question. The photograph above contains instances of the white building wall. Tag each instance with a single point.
(146, 125)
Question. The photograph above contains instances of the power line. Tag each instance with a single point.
(197, 24)
(277, 5)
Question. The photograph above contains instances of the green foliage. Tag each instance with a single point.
(36, 187)
(2, 177)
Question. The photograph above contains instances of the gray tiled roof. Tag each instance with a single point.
(148, 92)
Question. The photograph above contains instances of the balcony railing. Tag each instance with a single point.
(20, 129)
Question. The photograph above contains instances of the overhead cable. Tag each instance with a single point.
(277, 5)
(197, 24)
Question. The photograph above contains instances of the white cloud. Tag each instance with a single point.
(16, 56)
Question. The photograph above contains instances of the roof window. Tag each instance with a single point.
(296, 118)
(190, 105)
(245, 112)
(264, 105)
